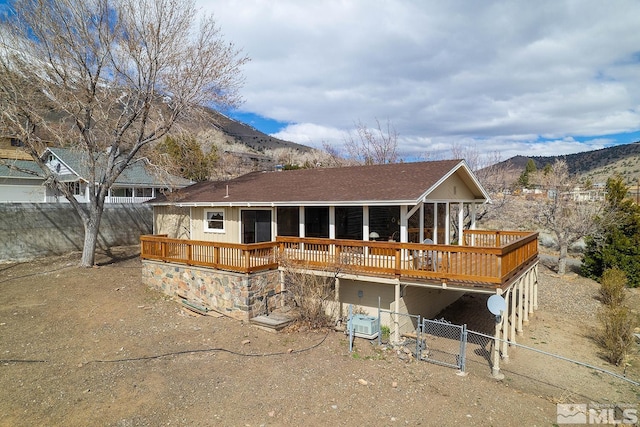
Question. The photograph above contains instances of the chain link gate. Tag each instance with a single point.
(442, 343)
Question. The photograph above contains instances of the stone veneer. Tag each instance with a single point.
(238, 295)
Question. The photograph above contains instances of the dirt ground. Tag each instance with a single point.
(94, 346)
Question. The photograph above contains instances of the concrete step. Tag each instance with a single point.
(272, 322)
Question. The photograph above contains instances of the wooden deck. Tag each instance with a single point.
(489, 259)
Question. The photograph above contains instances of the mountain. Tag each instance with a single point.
(238, 132)
(596, 165)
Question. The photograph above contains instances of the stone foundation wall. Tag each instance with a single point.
(238, 295)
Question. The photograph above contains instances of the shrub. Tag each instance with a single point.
(617, 240)
(612, 286)
(312, 295)
(616, 336)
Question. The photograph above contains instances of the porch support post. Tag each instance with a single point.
(532, 281)
(404, 220)
(461, 224)
(396, 316)
(421, 228)
(535, 287)
(495, 358)
(435, 224)
(525, 306)
(365, 223)
(505, 326)
(301, 219)
(520, 303)
(332, 222)
(474, 213)
(512, 313)
(447, 224)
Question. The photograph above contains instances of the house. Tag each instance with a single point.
(404, 202)
(400, 237)
(21, 180)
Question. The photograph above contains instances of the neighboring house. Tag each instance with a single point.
(23, 181)
(397, 236)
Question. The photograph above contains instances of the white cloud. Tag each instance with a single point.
(507, 75)
(311, 134)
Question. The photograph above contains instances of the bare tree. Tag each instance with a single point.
(565, 212)
(497, 178)
(108, 78)
(373, 146)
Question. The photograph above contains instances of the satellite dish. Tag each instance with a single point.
(496, 304)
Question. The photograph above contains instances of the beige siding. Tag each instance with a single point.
(454, 188)
(368, 303)
(231, 232)
(172, 221)
(415, 300)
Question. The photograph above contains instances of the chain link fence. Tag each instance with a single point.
(527, 368)
(443, 343)
(564, 379)
(399, 330)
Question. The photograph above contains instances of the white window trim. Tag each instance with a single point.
(206, 221)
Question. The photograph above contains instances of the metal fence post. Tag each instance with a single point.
(418, 340)
(463, 348)
(379, 326)
(350, 326)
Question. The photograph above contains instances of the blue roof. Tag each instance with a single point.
(137, 173)
(25, 169)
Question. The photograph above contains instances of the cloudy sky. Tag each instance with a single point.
(508, 77)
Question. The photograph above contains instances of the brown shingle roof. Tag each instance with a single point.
(378, 183)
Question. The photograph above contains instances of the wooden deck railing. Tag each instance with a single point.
(224, 256)
(490, 259)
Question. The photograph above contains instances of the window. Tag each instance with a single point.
(15, 142)
(121, 192)
(316, 222)
(289, 221)
(74, 188)
(214, 221)
(349, 222)
(144, 192)
(384, 221)
(256, 226)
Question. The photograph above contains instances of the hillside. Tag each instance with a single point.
(596, 165)
(238, 132)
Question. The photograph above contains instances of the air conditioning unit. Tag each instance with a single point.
(364, 326)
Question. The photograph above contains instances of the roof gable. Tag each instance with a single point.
(136, 173)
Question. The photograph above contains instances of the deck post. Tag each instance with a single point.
(505, 327)
(520, 303)
(531, 290)
(512, 314)
(396, 316)
(525, 295)
(495, 365)
(535, 286)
